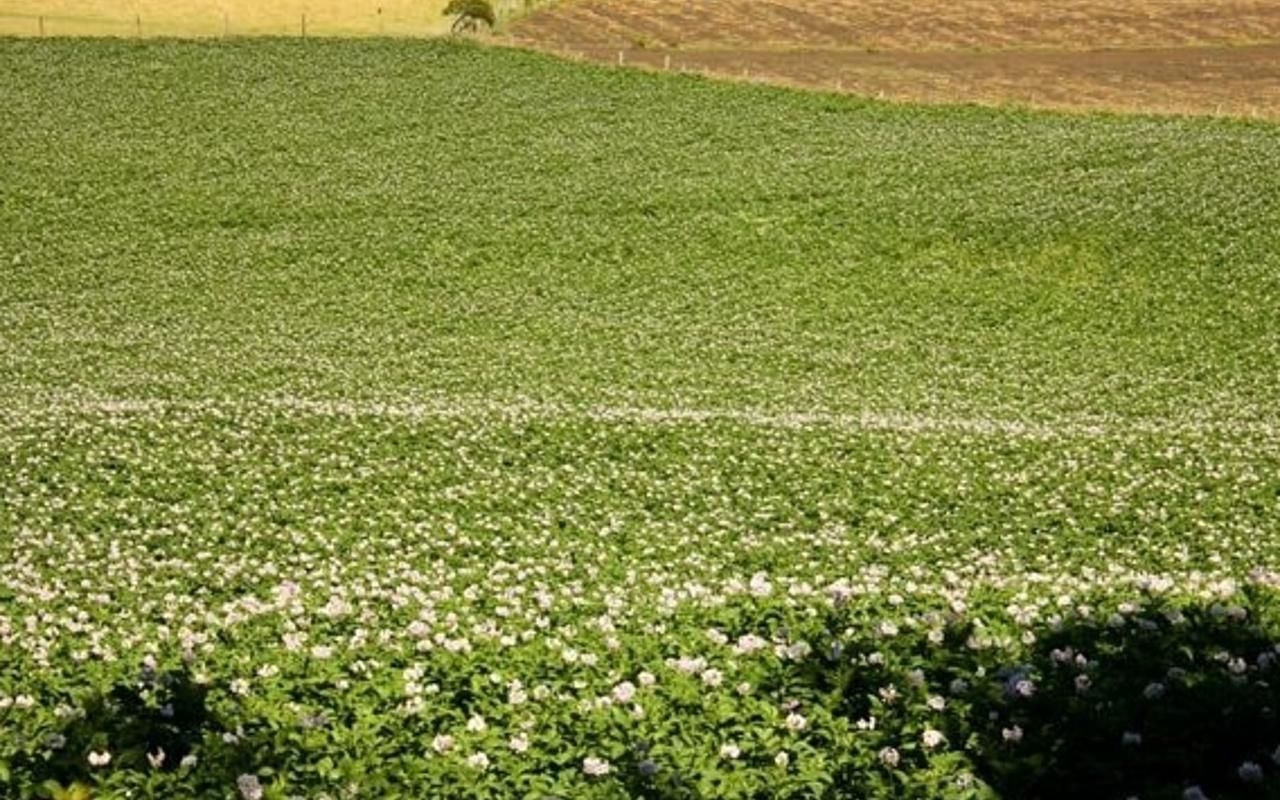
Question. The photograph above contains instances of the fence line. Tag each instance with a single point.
(220, 21)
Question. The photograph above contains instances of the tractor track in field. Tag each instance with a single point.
(520, 409)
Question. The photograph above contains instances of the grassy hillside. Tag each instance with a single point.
(189, 18)
(363, 389)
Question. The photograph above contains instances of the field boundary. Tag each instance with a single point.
(199, 19)
(1067, 81)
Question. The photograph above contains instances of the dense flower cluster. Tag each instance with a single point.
(708, 609)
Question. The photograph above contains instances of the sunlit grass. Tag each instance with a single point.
(207, 18)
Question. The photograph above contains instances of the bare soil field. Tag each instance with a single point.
(1173, 56)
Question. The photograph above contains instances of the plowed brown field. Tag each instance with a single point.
(1178, 56)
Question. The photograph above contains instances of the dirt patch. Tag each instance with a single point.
(1172, 56)
(915, 26)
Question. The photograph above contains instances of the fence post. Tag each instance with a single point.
(381, 29)
(42, 27)
(622, 58)
(137, 25)
(666, 61)
(304, 25)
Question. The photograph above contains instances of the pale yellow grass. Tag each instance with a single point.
(222, 17)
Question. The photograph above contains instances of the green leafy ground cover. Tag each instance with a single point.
(417, 420)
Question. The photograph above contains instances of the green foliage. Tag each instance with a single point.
(149, 723)
(1143, 703)
(693, 441)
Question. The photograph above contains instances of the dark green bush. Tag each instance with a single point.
(469, 13)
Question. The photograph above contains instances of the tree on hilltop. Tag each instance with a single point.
(470, 13)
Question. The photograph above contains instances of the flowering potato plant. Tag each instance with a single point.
(416, 420)
(419, 639)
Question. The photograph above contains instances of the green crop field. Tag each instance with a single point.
(414, 419)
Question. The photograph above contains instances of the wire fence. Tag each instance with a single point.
(204, 18)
